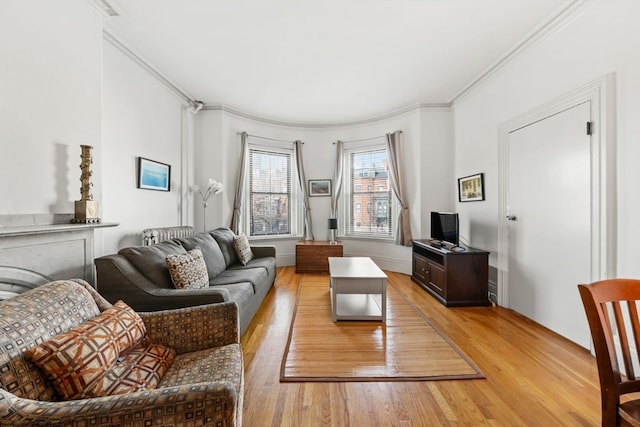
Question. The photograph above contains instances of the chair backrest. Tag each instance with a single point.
(31, 318)
(612, 313)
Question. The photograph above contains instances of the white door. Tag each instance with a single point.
(549, 207)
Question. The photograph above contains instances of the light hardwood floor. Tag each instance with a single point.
(533, 376)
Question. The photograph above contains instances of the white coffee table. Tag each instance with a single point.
(358, 289)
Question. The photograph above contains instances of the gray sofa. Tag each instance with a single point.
(139, 276)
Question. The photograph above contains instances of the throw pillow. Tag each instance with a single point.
(126, 325)
(140, 368)
(242, 248)
(188, 271)
(76, 361)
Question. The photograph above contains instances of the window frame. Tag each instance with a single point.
(294, 194)
(346, 216)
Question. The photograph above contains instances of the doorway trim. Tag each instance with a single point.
(600, 93)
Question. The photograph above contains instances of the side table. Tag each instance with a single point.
(312, 255)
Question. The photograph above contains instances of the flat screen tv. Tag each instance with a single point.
(444, 227)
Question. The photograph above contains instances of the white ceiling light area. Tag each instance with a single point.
(327, 61)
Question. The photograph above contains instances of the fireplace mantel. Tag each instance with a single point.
(50, 228)
(49, 244)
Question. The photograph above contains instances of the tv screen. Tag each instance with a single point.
(444, 227)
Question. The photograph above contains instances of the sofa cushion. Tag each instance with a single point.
(140, 368)
(210, 365)
(210, 251)
(240, 293)
(224, 236)
(29, 319)
(251, 275)
(268, 263)
(76, 361)
(150, 260)
(188, 271)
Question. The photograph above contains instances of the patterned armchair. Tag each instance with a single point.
(202, 386)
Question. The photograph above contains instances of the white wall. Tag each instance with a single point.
(426, 133)
(141, 118)
(50, 103)
(435, 171)
(211, 161)
(62, 86)
(602, 39)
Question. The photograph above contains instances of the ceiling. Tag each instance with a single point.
(331, 61)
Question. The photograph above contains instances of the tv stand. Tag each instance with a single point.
(454, 278)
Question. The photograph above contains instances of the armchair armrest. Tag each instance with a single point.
(198, 404)
(194, 328)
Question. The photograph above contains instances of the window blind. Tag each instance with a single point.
(270, 191)
(369, 196)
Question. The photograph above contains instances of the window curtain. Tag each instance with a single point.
(307, 231)
(237, 201)
(396, 176)
(337, 179)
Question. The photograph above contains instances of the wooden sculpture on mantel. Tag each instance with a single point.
(86, 209)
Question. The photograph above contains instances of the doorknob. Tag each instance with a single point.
(511, 217)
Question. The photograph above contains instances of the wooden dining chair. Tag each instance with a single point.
(615, 329)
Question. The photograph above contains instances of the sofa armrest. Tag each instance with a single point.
(117, 280)
(194, 328)
(198, 404)
(263, 251)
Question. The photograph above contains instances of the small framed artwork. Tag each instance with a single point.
(319, 187)
(471, 188)
(153, 175)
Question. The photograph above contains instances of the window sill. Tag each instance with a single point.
(368, 239)
(273, 238)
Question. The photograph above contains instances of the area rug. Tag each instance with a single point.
(406, 348)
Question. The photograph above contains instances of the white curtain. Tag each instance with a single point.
(307, 231)
(396, 176)
(237, 201)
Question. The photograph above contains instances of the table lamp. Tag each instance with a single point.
(333, 226)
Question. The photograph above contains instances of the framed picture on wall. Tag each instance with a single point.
(319, 187)
(471, 188)
(153, 175)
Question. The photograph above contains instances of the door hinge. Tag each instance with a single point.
(589, 128)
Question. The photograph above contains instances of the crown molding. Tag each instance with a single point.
(106, 8)
(148, 67)
(565, 13)
(437, 106)
(322, 125)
